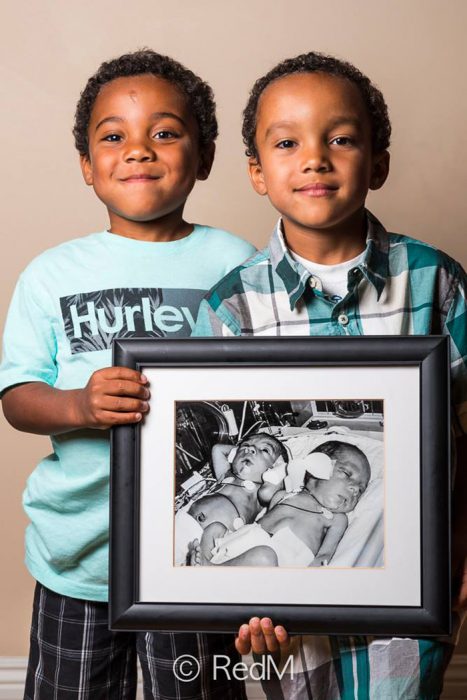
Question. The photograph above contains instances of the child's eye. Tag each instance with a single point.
(343, 141)
(286, 143)
(165, 134)
(112, 138)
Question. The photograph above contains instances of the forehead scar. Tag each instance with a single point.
(133, 95)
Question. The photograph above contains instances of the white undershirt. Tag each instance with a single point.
(332, 279)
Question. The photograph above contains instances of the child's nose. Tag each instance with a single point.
(315, 158)
(139, 150)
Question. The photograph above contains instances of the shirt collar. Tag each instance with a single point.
(294, 276)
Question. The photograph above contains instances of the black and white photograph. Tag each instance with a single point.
(296, 476)
(297, 483)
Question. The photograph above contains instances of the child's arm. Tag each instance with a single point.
(331, 539)
(112, 396)
(219, 459)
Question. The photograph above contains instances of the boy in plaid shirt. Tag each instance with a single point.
(317, 133)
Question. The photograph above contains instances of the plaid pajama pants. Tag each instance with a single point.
(74, 656)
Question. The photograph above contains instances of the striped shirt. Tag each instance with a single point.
(401, 287)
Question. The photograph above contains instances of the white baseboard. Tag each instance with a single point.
(13, 672)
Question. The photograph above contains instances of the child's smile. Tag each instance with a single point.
(315, 158)
(143, 150)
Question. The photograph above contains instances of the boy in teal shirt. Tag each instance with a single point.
(145, 128)
(317, 133)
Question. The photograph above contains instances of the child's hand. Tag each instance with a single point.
(260, 636)
(112, 396)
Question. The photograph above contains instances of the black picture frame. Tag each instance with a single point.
(429, 355)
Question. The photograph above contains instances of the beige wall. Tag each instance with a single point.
(414, 50)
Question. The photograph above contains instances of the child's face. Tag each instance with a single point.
(144, 155)
(254, 455)
(316, 164)
(349, 479)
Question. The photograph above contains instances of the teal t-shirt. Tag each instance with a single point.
(68, 305)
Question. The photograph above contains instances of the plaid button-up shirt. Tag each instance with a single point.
(401, 287)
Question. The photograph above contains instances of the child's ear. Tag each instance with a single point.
(86, 169)
(206, 160)
(255, 172)
(379, 170)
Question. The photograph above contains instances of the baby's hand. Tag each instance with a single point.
(261, 637)
(112, 396)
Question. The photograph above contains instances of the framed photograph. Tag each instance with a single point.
(306, 479)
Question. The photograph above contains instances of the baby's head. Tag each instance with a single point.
(316, 132)
(349, 479)
(257, 453)
(145, 128)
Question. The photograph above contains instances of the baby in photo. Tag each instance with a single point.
(241, 493)
(300, 528)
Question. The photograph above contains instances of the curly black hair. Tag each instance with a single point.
(314, 62)
(199, 95)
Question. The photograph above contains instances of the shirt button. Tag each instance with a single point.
(357, 272)
(312, 282)
(343, 319)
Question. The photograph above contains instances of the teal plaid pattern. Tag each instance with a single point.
(401, 287)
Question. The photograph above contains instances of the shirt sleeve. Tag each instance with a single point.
(29, 345)
(456, 328)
